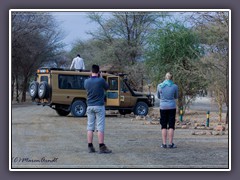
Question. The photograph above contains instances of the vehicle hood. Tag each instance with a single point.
(140, 93)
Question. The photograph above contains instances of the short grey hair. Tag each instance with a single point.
(169, 76)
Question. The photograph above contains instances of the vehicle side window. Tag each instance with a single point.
(124, 87)
(113, 83)
(80, 81)
(71, 81)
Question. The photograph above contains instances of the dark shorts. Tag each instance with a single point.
(167, 119)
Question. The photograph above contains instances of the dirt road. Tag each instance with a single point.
(42, 139)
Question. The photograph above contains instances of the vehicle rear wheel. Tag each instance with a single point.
(78, 108)
(61, 112)
(141, 109)
(33, 89)
(43, 90)
(124, 111)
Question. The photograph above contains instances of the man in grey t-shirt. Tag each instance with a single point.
(95, 86)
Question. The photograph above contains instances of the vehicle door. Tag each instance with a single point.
(125, 95)
(113, 94)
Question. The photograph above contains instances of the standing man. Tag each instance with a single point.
(167, 92)
(77, 63)
(95, 87)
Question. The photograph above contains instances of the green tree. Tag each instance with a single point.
(176, 48)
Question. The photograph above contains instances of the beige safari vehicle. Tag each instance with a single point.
(63, 90)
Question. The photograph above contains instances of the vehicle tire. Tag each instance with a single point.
(141, 109)
(43, 90)
(124, 111)
(61, 112)
(33, 89)
(78, 108)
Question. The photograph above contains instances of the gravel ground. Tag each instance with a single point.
(42, 139)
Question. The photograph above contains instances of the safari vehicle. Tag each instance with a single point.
(63, 90)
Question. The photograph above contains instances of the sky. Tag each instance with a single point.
(75, 25)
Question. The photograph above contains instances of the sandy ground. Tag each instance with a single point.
(42, 139)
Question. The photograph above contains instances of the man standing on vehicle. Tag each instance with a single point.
(77, 63)
(95, 86)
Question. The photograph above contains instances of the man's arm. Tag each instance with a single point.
(105, 85)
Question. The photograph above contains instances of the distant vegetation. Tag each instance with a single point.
(145, 45)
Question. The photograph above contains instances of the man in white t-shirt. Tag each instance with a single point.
(77, 63)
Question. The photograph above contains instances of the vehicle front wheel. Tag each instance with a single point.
(141, 109)
(61, 112)
(78, 108)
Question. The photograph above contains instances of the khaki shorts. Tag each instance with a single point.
(96, 115)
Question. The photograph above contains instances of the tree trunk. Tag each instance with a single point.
(219, 102)
(180, 102)
(227, 92)
(24, 90)
(227, 104)
(227, 117)
(13, 83)
(220, 113)
(17, 88)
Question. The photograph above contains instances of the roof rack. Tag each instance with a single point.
(122, 74)
(62, 69)
(56, 68)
